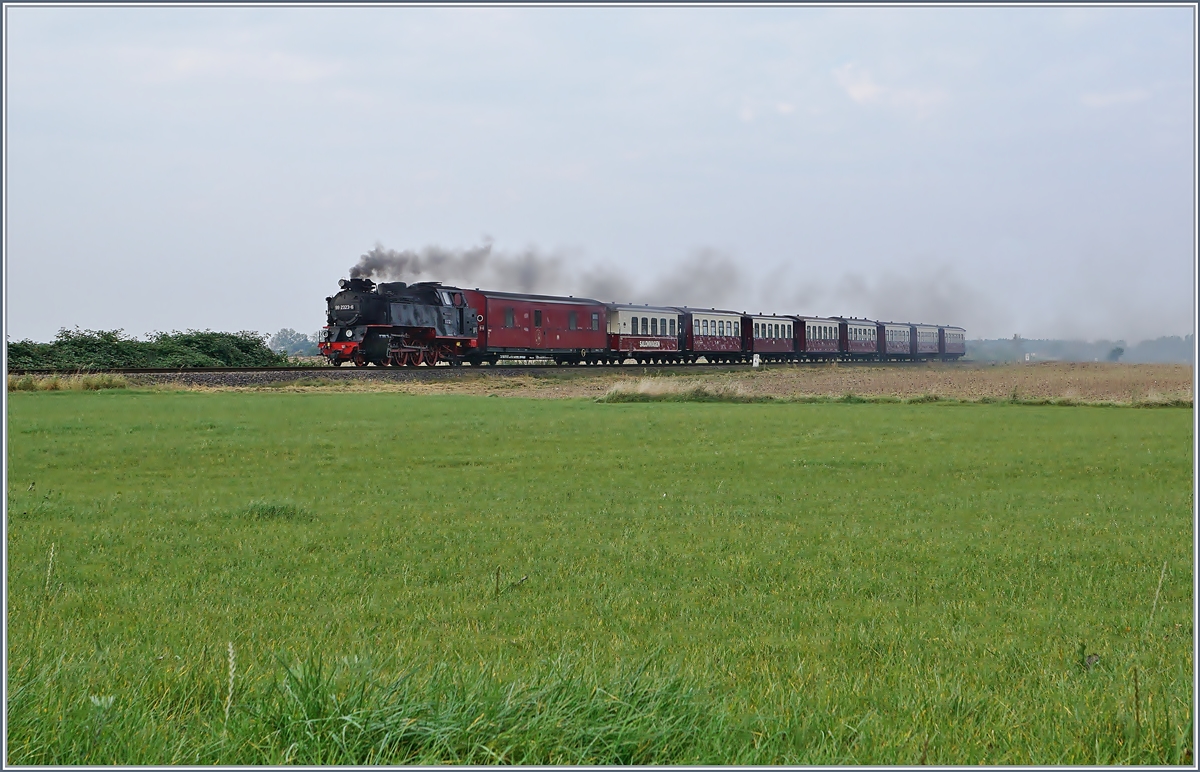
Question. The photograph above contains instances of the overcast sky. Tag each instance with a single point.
(1012, 170)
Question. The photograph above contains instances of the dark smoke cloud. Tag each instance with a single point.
(706, 278)
(525, 271)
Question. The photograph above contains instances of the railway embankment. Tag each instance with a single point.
(962, 381)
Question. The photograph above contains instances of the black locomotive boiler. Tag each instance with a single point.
(393, 323)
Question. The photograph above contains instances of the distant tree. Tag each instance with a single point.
(1115, 354)
(288, 341)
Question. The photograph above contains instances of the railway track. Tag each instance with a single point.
(442, 369)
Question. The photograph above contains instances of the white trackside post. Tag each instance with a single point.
(756, 360)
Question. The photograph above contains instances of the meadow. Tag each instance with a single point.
(323, 577)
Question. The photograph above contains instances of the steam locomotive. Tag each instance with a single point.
(405, 325)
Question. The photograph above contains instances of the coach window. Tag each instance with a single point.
(537, 318)
(572, 321)
(654, 327)
(509, 318)
(595, 321)
(633, 326)
(757, 329)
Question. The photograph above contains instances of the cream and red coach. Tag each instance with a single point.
(893, 340)
(644, 333)
(923, 341)
(773, 338)
(857, 338)
(712, 334)
(952, 342)
(817, 337)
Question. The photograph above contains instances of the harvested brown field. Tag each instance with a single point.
(1082, 382)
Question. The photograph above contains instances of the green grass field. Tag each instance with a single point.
(678, 582)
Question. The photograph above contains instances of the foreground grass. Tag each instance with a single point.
(679, 582)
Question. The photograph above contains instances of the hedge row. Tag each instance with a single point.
(98, 350)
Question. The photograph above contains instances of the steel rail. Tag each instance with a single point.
(505, 368)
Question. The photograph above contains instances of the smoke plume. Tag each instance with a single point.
(481, 266)
(706, 278)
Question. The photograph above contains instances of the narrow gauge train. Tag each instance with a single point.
(398, 324)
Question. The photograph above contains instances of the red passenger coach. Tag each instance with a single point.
(644, 333)
(712, 334)
(534, 326)
(858, 338)
(773, 338)
(923, 340)
(952, 342)
(818, 336)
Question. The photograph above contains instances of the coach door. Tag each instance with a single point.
(539, 326)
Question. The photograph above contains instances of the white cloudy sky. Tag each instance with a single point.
(1014, 170)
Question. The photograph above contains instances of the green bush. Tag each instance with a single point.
(100, 350)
